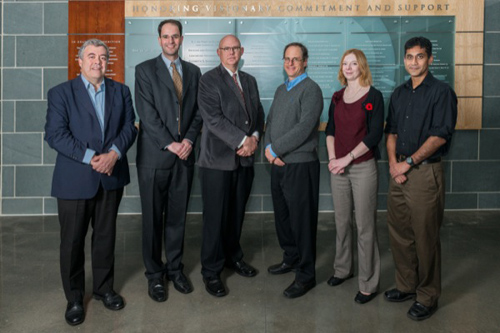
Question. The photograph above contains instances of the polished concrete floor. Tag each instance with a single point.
(32, 300)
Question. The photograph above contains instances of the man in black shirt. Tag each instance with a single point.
(421, 120)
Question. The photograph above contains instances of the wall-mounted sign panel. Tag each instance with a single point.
(380, 38)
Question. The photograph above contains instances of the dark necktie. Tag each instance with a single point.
(235, 79)
(178, 90)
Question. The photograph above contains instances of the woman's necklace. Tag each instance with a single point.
(350, 97)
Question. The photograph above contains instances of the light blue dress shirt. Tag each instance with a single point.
(98, 101)
(290, 84)
(177, 63)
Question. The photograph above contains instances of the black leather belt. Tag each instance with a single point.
(402, 158)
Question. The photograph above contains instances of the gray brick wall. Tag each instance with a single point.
(34, 59)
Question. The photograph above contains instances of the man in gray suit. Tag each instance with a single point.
(233, 120)
(166, 88)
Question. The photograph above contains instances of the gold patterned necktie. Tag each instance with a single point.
(178, 90)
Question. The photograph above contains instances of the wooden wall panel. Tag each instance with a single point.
(104, 20)
(469, 80)
(469, 113)
(105, 16)
(469, 15)
(469, 48)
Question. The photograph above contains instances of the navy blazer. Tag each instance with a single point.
(72, 127)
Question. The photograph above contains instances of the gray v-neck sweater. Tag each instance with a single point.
(293, 120)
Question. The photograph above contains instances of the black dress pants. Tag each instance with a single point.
(74, 218)
(295, 192)
(225, 195)
(164, 200)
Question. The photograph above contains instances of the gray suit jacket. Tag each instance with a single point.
(226, 120)
(158, 108)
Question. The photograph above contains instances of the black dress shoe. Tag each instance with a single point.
(243, 269)
(181, 283)
(214, 286)
(75, 314)
(111, 300)
(156, 290)
(280, 268)
(419, 311)
(362, 298)
(395, 295)
(297, 289)
(335, 281)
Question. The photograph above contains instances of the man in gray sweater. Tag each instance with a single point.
(291, 143)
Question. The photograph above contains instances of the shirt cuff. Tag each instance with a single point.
(242, 142)
(115, 148)
(256, 134)
(271, 151)
(89, 153)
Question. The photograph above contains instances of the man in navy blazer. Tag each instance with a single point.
(165, 97)
(90, 123)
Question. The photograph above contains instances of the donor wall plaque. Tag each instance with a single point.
(380, 38)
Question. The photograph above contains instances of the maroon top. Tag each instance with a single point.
(350, 127)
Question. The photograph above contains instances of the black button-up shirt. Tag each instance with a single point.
(416, 114)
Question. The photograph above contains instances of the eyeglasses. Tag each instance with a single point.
(227, 49)
(289, 60)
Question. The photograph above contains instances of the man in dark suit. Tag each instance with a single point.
(233, 121)
(90, 123)
(165, 96)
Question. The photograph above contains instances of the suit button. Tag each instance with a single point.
(177, 119)
(246, 122)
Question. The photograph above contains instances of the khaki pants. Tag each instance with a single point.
(414, 215)
(357, 188)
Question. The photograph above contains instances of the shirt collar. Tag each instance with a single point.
(428, 81)
(87, 84)
(290, 84)
(167, 61)
(231, 72)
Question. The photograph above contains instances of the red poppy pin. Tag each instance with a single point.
(369, 106)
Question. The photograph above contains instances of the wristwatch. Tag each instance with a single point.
(409, 160)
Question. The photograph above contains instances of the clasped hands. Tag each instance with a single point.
(249, 147)
(104, 163)
(337, 166)
(181, 149)
(398, 171)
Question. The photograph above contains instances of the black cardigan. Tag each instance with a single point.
(374, 118)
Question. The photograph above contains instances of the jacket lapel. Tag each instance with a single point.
(186, 79)
(164, 75)
(82, 98)
(246, 93)
(226, 77)
(108, 102)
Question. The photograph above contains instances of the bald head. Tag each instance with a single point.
(229, 39)
(230, 52)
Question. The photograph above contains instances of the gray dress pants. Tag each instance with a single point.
(356, 189)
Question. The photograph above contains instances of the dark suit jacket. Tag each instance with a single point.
(158, 108)
(72, 127)
(226, 121)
